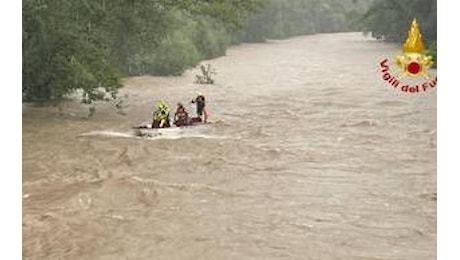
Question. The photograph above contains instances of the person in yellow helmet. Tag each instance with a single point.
(161, 116)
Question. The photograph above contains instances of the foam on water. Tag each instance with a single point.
(169, 134)
(108, 133)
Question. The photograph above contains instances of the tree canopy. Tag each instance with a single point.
(391, 19)
(89, 45)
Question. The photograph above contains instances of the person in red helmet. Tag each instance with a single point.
(181, 116)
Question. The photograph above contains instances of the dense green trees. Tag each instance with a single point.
(390, 19)
(86, 46)
(61, 51)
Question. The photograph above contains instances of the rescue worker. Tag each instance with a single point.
(181, 116)
(200, 102)
(161, 116)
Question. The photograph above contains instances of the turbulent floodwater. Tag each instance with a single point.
(310, 157)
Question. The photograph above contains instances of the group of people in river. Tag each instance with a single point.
(161, 115)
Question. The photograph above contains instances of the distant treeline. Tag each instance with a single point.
(89, 45)
(391, 19)
(286, 18)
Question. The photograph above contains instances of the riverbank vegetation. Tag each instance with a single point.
(87, 46)
(391, 19)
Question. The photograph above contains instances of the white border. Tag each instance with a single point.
(448, 132)
(11, 133)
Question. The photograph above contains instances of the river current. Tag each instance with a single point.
(309, 156)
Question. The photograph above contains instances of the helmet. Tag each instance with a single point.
(199, 93)
(162, 105)
(180, 104)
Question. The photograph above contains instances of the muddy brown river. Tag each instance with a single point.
(310, 156)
